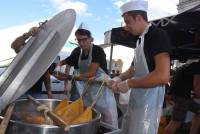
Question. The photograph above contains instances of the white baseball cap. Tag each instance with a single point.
(141, 5)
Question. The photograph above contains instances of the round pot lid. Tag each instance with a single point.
(35, 58)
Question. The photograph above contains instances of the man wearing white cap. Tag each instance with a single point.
(148, 73)
(89, 60)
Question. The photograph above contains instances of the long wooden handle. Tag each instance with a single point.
(78, 78)
(57, 120)
(63, 76)
(99, 93)
(6, 119)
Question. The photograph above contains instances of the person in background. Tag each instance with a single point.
(113, 74)
(67, 83)
(89, 61)
(117, 73)
(148, 74)
(18, 44)
(185, 80)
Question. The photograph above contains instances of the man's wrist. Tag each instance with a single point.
(127, 85)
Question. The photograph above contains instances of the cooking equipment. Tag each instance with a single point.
(56, 119)
(6, 119)
(19, 127)
(37, 55)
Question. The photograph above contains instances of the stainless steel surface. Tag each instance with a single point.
(59, 121)
(6, 62)
(6, 119)
(18, 127)
(32, 62)
(108, 129)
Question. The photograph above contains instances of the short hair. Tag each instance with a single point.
(83, 32)
(138, 12)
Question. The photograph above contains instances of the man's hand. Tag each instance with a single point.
(109, 83)
(33, 31)
(123, 86)
(58, 67)
(19, 42)
(114, 87)
(112, 83)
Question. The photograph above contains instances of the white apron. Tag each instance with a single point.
(145, 104)
(106, 104)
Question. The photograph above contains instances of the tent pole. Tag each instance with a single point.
(110, 64)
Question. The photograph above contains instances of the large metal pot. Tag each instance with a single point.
(18, 127)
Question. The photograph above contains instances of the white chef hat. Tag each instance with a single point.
(84, 26)
(141, 5)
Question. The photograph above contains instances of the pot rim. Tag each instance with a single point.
(98, 117)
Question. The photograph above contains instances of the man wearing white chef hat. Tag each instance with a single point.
(148, 73)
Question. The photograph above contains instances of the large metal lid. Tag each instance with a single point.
(32, 62)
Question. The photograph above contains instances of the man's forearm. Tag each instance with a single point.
(19, 42)
(126, 75)
(47, 83)
(62, 62)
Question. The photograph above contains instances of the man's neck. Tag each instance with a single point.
(145, 24)
(86, 51)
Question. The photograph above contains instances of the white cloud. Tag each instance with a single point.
(120, 52)
(8, 35)
(79, 7)
(158, 8)
(118, 3)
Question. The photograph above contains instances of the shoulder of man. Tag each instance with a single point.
(160, 35)
(155, 30)
(76, 50)
(97, 47)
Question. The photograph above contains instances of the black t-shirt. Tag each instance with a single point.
(98, 56)
(156, 41)
(182, 80)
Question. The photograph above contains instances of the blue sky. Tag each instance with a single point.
(18, 16)
(100, 15)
